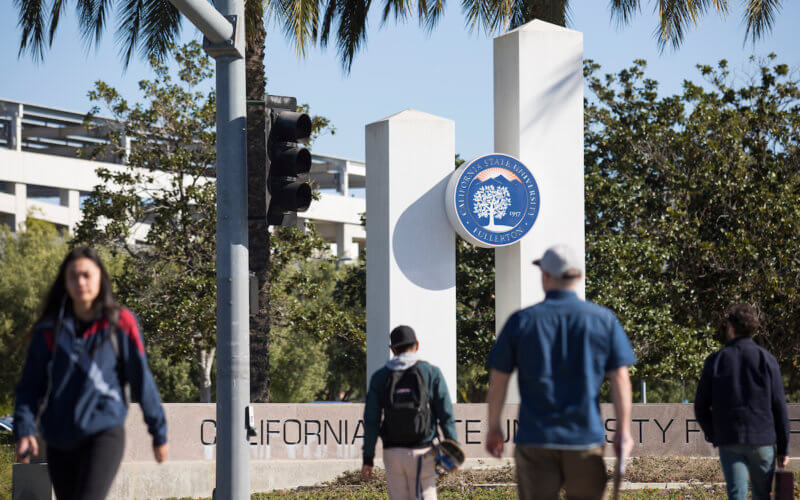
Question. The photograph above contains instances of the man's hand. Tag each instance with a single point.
(494, 442)
(26, 446)
(626, 441)
(161, 452)
(495, 397)
(620, 382)
(366, 473)
(783, 461)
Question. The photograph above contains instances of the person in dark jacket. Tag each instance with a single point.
(410, 467)
(84, 350)
(741, 407)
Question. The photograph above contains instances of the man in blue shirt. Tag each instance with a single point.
(562, 348)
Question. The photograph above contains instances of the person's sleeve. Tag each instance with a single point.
(503, 357)
(372, 421)
(780, 414)
(143, 386)
(621, 353)
(702, 401)
(31, 386)
(442, 406)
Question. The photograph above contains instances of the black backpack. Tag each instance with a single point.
(406, 408)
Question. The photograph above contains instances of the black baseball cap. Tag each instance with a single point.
(402, 335)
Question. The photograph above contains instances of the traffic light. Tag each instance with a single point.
(286, 159)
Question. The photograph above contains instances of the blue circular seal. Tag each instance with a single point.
(492, 201)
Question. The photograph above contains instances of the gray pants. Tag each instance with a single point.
(401, 473)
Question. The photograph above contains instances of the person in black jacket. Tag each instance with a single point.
(741, 407)
(85, 350)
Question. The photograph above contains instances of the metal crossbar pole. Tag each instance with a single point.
(208, 20)
(224, 30)
(233, 334)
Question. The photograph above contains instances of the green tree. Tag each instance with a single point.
(159, 209)
(691, 205)
(29, 260)
(318, 321)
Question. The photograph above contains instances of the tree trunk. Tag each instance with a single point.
(206, 365)
(257, 230)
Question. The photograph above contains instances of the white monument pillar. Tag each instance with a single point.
(538, 118)
(411, 268)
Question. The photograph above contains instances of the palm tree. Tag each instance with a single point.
(152, 26)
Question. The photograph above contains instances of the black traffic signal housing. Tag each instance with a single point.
(287, 158)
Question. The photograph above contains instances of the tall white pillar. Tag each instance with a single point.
(72, 201)
(538, 118)
(344, 241)
(344, 180)
(16, 128)
(20, 206)
(411, 273)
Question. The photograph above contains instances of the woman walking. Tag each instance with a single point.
(85, 351)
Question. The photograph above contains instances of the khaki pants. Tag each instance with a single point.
(542, 472)
(401, 473)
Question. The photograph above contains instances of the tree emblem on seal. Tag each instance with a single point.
(491, 201)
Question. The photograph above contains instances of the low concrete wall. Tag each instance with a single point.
(336, 431)
(308, 444)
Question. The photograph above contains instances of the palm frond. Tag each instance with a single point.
(162, 27)
(330, 13)
(352, 32)
(300, 21)
(675, 16)
(31, 20)
(129, 29)
(486, 14)
(91, 19)
(622, 11)
(400, 8)
(760, 16)
(86, 14)
(100, 18)
(435, 12)
(55, 15)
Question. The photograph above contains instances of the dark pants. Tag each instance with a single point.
(740, 461)
(85, 472)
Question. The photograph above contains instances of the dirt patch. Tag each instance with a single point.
(639, 470)
(674, 470)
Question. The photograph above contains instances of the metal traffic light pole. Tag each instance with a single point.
(223, 28)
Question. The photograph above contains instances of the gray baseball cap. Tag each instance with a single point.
(560, 261)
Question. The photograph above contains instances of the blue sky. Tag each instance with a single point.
(447, 72)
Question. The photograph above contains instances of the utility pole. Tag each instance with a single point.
(223, 28)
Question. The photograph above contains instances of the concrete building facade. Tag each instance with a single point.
(42, 174)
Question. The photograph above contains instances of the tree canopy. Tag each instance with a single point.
(692, 205)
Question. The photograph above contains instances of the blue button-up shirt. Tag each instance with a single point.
(562, 348)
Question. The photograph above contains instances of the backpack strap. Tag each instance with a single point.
(49, 385)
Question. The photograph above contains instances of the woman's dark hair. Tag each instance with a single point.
(58, 292)
(744, 319)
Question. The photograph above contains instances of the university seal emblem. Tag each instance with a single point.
(492, 201)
